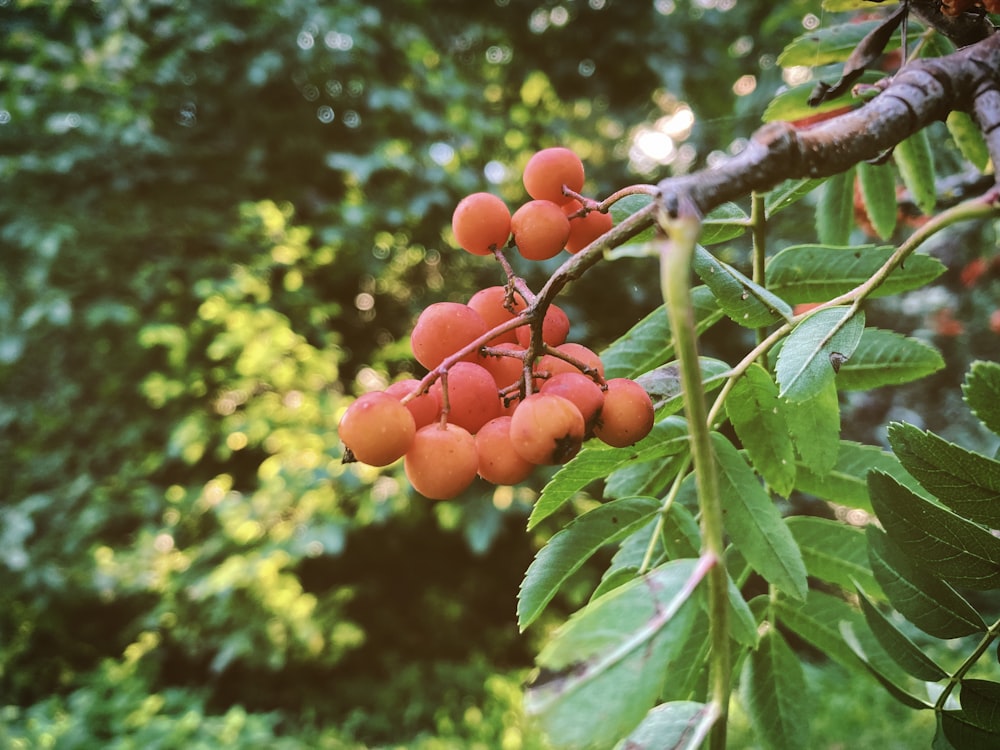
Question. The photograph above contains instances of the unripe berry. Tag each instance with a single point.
(627, 415)
(481, 222)
(472, 396)
(547, 429)
(540, 229)
(377, 429)
(442, 329)
(425, 408)
(548, 170)
(442, 462)
(499, 462)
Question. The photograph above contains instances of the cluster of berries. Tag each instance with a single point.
(505, 391)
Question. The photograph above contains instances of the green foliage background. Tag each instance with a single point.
(217, 223)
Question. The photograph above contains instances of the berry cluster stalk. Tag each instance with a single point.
(676, 252)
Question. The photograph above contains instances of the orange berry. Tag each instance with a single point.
(548, 170)
(504, 369)
(499, 463)
(547, 429)
(489, 303)
(553, 365)
(585, 394)
(627, 415)
(540, 229)
(585, 229)
(442, 329)
(555, 327)
(442, 462)
(480, 223)
(377, 429)
(472, 396)
(425, 408)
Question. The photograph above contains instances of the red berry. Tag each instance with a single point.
(548, 170)
(553, 365)
(540, 229)
(547, 429)
(585, 394)
(504, 369)
(499, 462)
(425, 408)
(442, 329)
(442, 462)
(377, 429)
(627, 415)
(480, 223)
(489, 303)
(585, 229)
(472, 396)
(555, 327)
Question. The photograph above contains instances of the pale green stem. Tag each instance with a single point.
(675, 270)
(758, 233)
(956, 679)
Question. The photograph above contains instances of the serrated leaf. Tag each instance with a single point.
(982, 393)
(668, 437)
(624, 208)
(980, 701)
(723, 223)
(829, 44)
(962, 734)
(922, 598)
(878, 188)
(846, 483)
(969, 139)
(643, 478)
(967, 482)
(678, 725)
(835, 209)
(957, 550)
(649, 343)
(743, 300)
(814, 425)
(817, 622)
(754, 523)
(572, 546)
(663, 384)
(757, 417)
(915, 161)
(805, 363)
(790, 192)
(612, 580)
(833, 551)
(773, 688)
(895, 685)
(792, 104)
(813, 273)
(604, 668)
(897, 644)
(887, 358)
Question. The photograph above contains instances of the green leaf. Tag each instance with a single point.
(742, 623)
(846, 483)
(746, 302)
(887, 358)
(967, 482)
(878, 188)
(813, 273)
(814, 348)
(817, 622)
(643, 478)
(922, 598)
(981, 703)
(678, 725)
(757, 416)
(612, 579)
(969, 139)
(915, 161)
(723, 223)
(982, 393)
(790, 192)
(755, 524)
(627, 206)
(792, 104)
(664, 383)
(833, 551)
(604, 668)
(957, 550)
(828, 44)
(649, 343)
(571, 547)
(815, 428)
(960, 733)
(839, 6)
(596, 461)
(835, 209)
(898, 645)
(773, 688)
(875, 661)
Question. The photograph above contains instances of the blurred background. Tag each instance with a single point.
(218, 222)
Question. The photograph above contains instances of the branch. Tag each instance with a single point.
(923, 92)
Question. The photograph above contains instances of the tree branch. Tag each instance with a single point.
(923, 92)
